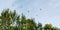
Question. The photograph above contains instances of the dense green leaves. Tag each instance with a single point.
(11, 21)
(47, 26)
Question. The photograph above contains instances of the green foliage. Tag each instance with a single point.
(9, 18)
(39, 26)
(11, 28)
(30, 24)
(47, 26)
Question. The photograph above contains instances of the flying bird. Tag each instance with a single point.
(20, 6)
(28, 11)
(36, 15)
(40, 9)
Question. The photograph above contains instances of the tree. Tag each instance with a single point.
(47, 27)
(11, 21)
(5, 19)
(30, 24)
(23, 19)
(11, 28)
(18, 23)
(23, 22)
(8, 18)
(54, 28)
(39, 26)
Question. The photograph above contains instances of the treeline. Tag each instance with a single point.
(12, 21)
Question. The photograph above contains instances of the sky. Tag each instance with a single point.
(43, 11)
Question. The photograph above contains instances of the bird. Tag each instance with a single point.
(40, 9)
(36, 15)
(28, 11)
(20, 6)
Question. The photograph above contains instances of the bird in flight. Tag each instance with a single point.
(28, 11)
(40, 9)
(36, 15)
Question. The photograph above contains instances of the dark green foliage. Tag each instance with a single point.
(47, 26)
(8, 19)
(40, 26)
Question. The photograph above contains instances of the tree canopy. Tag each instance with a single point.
(12, 21)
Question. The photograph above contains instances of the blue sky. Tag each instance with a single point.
(50, 12)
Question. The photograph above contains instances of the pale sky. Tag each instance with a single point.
(50, 12)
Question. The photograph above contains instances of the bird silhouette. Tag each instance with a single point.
(28, 11)
(40, 9)
(36, 15)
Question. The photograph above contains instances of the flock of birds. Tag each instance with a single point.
(36, 14)
(29, 11)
